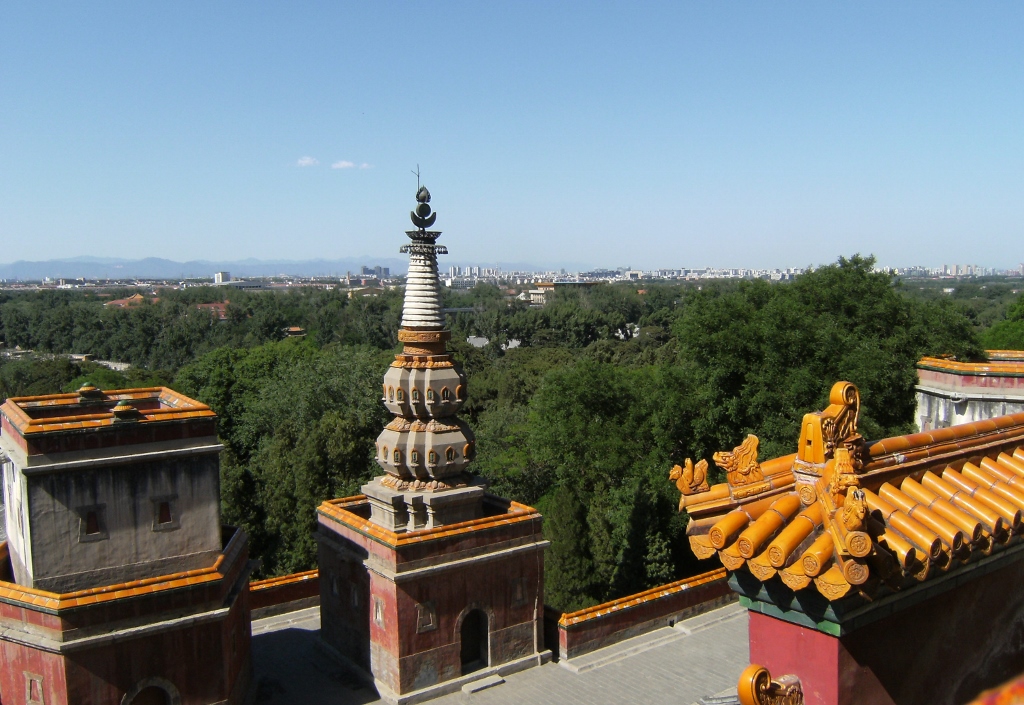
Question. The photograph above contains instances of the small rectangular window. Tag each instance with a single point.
(426, 617)
(92, 523)
(165, 513)
(34, 689)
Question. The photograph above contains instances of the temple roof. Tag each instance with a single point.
(843, 516)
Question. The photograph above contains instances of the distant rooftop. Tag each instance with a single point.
(1001, 363)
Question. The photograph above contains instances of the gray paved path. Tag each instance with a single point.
(666, 666)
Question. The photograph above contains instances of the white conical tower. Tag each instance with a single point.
(425, 449)
(422, 309)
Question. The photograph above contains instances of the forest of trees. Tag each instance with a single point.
(601, 391)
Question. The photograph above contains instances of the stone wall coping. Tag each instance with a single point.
(54, 603)
(169, 406)
(994, 368)
(570, 620)
(340, 510)
(282, 580)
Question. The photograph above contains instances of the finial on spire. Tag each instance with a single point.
(422, 218)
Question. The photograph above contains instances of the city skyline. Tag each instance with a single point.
(740, 136)
(92, 271)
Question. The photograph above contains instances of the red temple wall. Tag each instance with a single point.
(17, 661)
(943, 650)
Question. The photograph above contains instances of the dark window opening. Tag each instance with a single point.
(164, 515)
(92, 524)
(474, 641)
(34, 689)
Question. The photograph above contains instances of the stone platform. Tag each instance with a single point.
(291, 665)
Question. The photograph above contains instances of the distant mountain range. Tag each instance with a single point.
(156, 268)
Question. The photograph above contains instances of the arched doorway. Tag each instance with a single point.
(153, 695)
(474, 641)
(152, 691)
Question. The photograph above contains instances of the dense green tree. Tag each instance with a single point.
(299, 424)
(760, 356)
(22, 378)
(1007, 334)
(569, 567)
(579, 407)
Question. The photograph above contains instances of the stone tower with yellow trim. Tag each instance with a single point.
(427, 582)
(425, 449)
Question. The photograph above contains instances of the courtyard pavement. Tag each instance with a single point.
(698, 657)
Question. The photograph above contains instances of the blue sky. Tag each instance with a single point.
(643, 134)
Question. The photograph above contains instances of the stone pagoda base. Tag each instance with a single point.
(411, 510)
(426, 611)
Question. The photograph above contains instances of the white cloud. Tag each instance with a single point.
(343, 164)
(364, 165)
(307, 161)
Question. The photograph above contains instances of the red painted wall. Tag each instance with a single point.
(16, 660)
(607, 625)
(988, 384)
(944, 650)
(400, 657)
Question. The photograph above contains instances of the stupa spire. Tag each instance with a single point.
(422, 307)
(426, 447)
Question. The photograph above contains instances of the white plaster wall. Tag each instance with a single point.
(934, 411)
(61, 561)
(15, 521)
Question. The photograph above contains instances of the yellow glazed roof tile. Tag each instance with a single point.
(900, 510)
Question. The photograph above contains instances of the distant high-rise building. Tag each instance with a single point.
(221, 277)
(377, 272)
